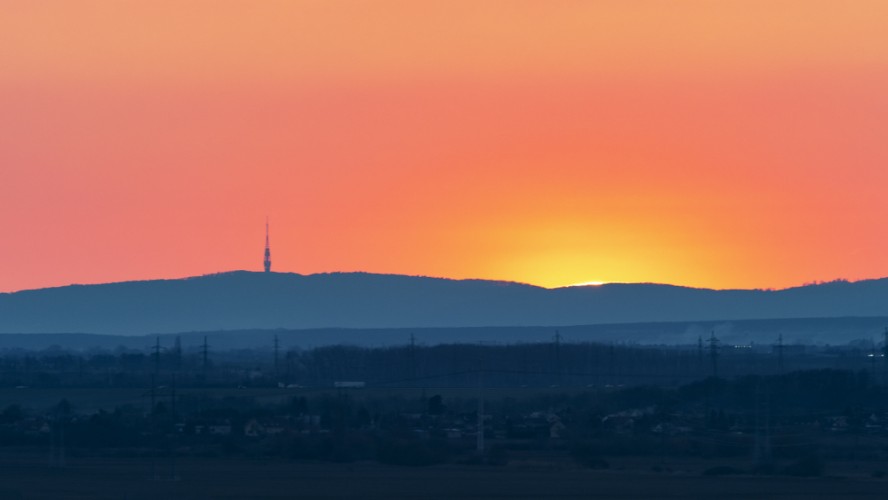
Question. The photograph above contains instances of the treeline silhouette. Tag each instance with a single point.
(803, 418)
(546, 364)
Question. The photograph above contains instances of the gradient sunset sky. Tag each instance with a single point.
(725, 144)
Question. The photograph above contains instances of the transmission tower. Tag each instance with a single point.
(713, 353)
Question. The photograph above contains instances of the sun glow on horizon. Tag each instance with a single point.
(586, 283)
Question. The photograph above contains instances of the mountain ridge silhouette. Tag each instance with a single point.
(254, 300)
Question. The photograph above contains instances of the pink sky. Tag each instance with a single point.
(719, 144)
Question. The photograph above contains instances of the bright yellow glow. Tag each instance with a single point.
(588, 283)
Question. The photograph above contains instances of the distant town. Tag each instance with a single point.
(708, 409)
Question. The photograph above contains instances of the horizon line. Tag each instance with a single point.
(586, 284)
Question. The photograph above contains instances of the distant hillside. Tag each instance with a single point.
(809, 331)
(245, 300)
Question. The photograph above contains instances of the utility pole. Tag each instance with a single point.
(157, 356)
(277, 347)
(173, 397)
(762, 450)
(885, 344)
(479, 441)
(204, 352)
(479, 438)
(558, 356)
(885, 358)
(712, 383)
(780, 354)
(288, 357)
(412, 358)
(172, 451)
(177, 353)
(700, 353)
(156, 374)
(57, 435)
(153, 393)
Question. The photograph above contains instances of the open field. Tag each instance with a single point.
(96, 398)
(26, 476)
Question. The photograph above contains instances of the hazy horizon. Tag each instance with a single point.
(582, 284)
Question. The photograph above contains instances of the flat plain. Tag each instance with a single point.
(26, 476)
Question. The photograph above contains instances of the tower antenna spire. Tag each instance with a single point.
(267, 261)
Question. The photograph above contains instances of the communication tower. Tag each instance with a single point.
(267, 261)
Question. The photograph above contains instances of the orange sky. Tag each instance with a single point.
(719, 144)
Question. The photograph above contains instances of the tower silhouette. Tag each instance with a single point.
(713, 353)
(267, 261)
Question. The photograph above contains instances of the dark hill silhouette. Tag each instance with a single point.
(247, 300)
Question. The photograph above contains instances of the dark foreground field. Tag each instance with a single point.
(26, 476)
